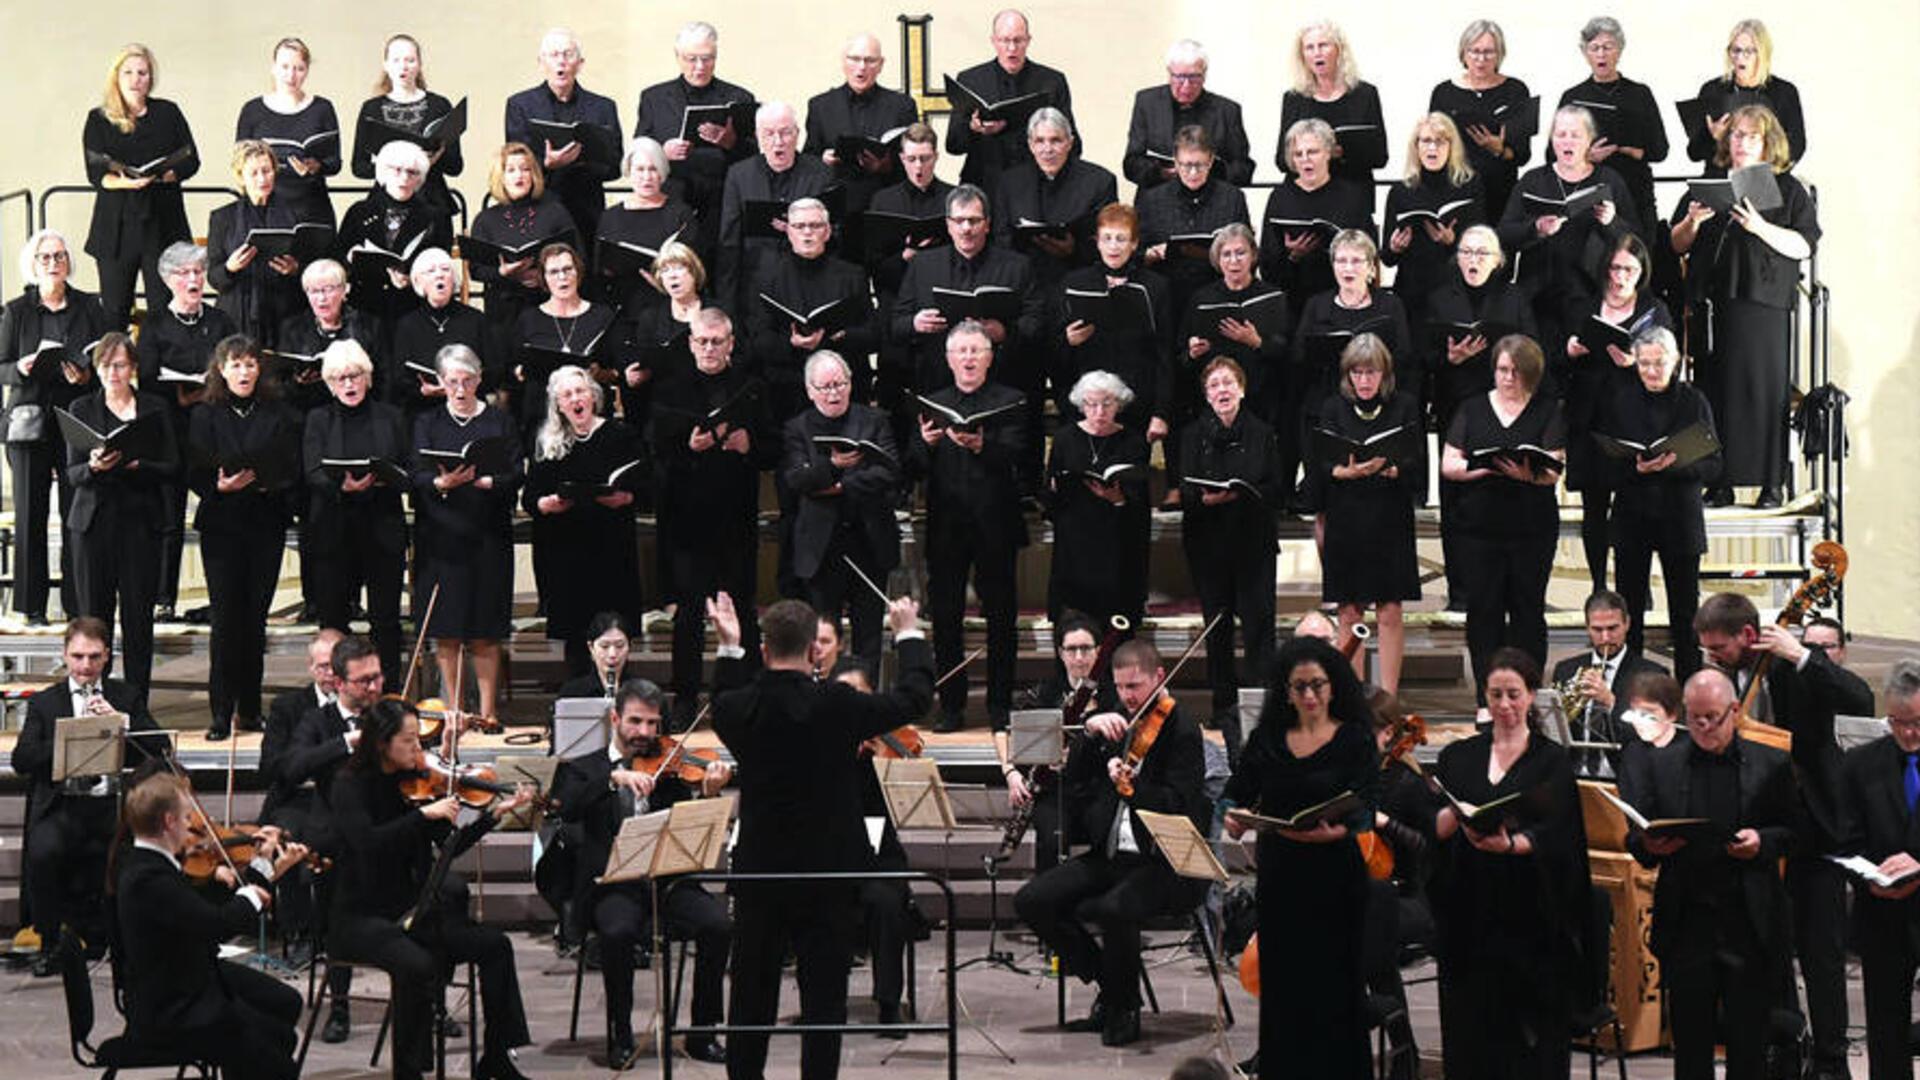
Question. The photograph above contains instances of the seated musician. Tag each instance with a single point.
(600, 790)
(1122, 881)
(387, 908)
(1077, 645)
(289, 803)
(1601, 675)
(610, 643)
(70, 823)
(179, 997)
(1398, 915)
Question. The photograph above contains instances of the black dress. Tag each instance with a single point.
(257, 297)
(1325, 329)
(513, 224)
(1561, 271)
(649, 229)
(412, 116)
(1357, 126)
(1312, 901)
(592, 336)
(130, 228)
(1512, 928)
(464, 537)
(1099, 549)
(1465, 107)
(356, 539)
(1368, 556)
(417, 340)
(1425, 265)
(1140, 356)
(306, 196)
(587, 559)
(1626, 114)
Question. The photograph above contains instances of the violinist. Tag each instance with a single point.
(610, 643)
(1122, 881)
(179, 997)
(637, 773)
(386, 911)
(1077, 646)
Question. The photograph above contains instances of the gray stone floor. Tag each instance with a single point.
(1017, 1011)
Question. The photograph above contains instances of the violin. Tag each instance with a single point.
(1140, 739)
(434, 714)
(671, 757)
(902, 742)
(476, 786)
(240, 843)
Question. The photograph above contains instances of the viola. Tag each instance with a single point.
(1140, 740)
(474, 785)
(1250, 965)
(671, 756)
(1409, 731)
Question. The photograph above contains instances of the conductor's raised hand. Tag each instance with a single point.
(903, 614)
(726, 621)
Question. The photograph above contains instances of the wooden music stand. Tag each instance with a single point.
(687, 837)
(1035, 737)
(89, 746)
(1185, 850)
(535, 769)
(916, 797)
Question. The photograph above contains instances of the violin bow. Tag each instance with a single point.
(1171, 672)
(233, 740)
(419, 643)
(213, 834)
(959, 667)
(680, 744)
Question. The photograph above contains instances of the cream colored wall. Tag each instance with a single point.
(55, 53)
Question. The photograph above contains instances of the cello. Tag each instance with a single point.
(1829, 567)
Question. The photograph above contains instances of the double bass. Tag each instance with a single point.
(1829, 567)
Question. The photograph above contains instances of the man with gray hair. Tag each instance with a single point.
(805, 300)
(1882, 792)
(1044, 208)
(848, 126)
(575, 163)
(991, 147)
(682, 115)
(753, 205)
(1161, 111)
(966, 265)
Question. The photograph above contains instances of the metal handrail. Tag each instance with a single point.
(459, 200)
(668, 1029)
(26, 206)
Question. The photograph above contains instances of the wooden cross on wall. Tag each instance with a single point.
(915, 71)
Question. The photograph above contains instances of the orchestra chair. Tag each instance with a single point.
(320, 995)
(1382, 1013)
(678, 973)
(1588, 1023)
(119, 1052)
(1195, 923)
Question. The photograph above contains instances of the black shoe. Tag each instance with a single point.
(593, 954)
(497, 1066)
(247, 723)
(217, 733)
(45, 964)
(199, 616)
(643, 957)
(163, 613)
(1720, 496)
(1251, 1066)
(1123, 1028)
(998, 720)
(621, 1052)
(1095, 1020)
(36, 620)
(949, 723)
(1769, 499)
(707, 1049)
(890, 1014)
(452, 1029)
(339, 1026)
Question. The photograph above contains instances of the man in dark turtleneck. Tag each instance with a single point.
(802, 280)
(1201, 203)
(699, 153)
(991, 147)
(859, 106)
(1160, 113)
(1054, 189)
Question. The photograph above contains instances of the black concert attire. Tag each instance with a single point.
(412, 116)
(302, 335)
(418, 338)
(1141, 355)
(1271, 313)
(843, 514)
(1426, 266)
(1720, 924)
(1489, 107)
(578, 186)
(593, 336)
(242, 536)
(1358, 128)
(887, 908)
(1626, 114)
(1346, 203)
(1496, 304)
(662, 116)
(1564, 271)
(70, 824)
(974, 523)
(180, 997)
(1881, 782)
(1044, 783)
(1722, 95)
(1368, 553)
(1595, 724)
(1071, 197)
(289, 800)
(387, 849)
(1399, 915)
(257, 297)
(1313, 372)
(1123, 881)
(1659, 513)
(991, 156)
(742, 259)
(805, 285)
(894, 376)
(1170, 210)
(1741, 295)
(35, 454)
(130, 228)
(1505, 530)
(1312, 898)
(306, 196)
(1099, 561)
(1513, 930)
(119, 517)
(171, 343)
(1589, 381)
(840, 111)
(622, 913)
(404, 228)
(359, 540)
(1017, 361)
(585, 557)
(1230, 549)
(648, 229)
(800, 812)
(1157, 118)
(708, 507)
(512, 224)
(464, 536)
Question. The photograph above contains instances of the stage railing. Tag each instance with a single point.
(26, 213)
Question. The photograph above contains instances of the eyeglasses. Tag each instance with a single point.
(863, 61)
(711, 342)
(1192, 167)
(1013, 42)
(807, 226)
(1483, 54)
(698, 59)
(1077, 650)
(1187, 76)
(967, 220)
(1742, 50)
(372, 678)
(780, 134)
(1303, 687)
(342, 378)
(325, 289)
(568, 270)
(50, 258)
(838, 386)
(1474, 253)
(1710, 720)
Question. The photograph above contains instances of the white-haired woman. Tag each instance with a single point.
(1327, 86)
(137, 212)
(1097, 497)
(354, 451)
(635, 230)
(466, 467)
(580, 492)
(1293, 240)
(48, 309)
(396, 219)
(306, 334)
(441, 320)
(401, 100)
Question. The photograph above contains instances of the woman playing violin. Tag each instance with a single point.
(387, 848)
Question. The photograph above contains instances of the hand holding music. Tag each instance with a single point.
(1301, 245)
(1895, 866)
(1079, 331)
(1325, 832)
(1663, 846)
(1439, 232)
(845, 459)
(1460, 350)
(1241, 331)
(227, 483)
(1486, 138)
(1646, 466)
(972, 442)
(553, 504)
(737, 441)
(100, 459)
(1400, 239)
(1548, 224)
(241, 258)
(1198, 347)
(700, 440)
(448, 479)
(354, 483)
(1603, 211)
(1601, 149)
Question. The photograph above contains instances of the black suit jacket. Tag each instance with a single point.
(742, 257)
(1170, 780)
(21, 331)
(1018, 360)
(989, 156)
(122, 497)
(1157, 117)
(796, 742)
(1769, 805)
(1876, 803)
(1632, 664)
(867, 495)
(277, 742)
(581, 788)
(1805, 701)
(33, 754)
(170, 935)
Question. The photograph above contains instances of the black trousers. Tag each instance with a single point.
(173, 532)
(1819, 892)
(889, 923)
(623, 915)
(1888, 959)
(1596, 507)
(256, 1035)
(116, 564)
(242, 569)
(417, 964)
(1720, 986)
(1635, 544)
(117, 278)
(1116, 895)
(67, 845)
(1506, 579)
(833, 589)
(36, 469)
(1236, 579)
(366, 557)
(951, 557)
(816, 921)
(698, 570)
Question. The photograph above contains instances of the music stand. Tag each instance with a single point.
(1036, 738)
(86, 746)
(579, 726)
(1190, 855)
(535, 769)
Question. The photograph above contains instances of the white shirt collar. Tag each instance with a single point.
(149, 845)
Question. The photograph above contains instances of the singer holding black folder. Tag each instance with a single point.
(243, 461)
(804, 280)
(992, 147)
(1329, 322)
(857, 109)
(639, 227)
(524, 215)
(1749, 80)
(1096, 496)
(302, 129)
(439, 321)
(120, 505)
(1162, 113)
(1327, 86)
(1044, 208)
(576, 161)
(256, 291)
(565, 327)
(1491, 108)
(1238, 318)
(404, 102)
(1304, 212)
(699, 147)
(1117, 316)
(1437, 199)
(1473, 308)
(1633, 137)
(1178, 221)
(139, 151)
(399, 219)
